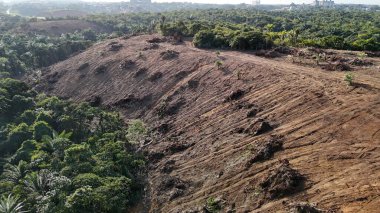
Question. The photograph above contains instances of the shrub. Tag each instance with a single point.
(82, 200)
(28, 117)
(362, 55)
(252, 40)
(218, 64)
(20, 103)
(77, 153)
(213, 205)
(41, 128)
(204, 39)
(25, 151)
(114, 195)
(45, 116)
(349, 78)
(87, 179)
(16, 137)
(136, 131)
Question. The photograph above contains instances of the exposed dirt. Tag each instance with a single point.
(305, 208)
(328, 132)
(59, 27)
(63, 13)
(281, 181)
(330, 60)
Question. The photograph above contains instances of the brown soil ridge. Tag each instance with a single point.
(225, 133)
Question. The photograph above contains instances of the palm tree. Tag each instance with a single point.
(14, 173)
(11, 204)
(38, 183)
(282, 35)
(51, 144)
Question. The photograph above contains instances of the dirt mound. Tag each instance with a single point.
(83, 66)
(94, 101)
(282, 181)
(235, 95)
(285, 50)
(268, 53)
(114, 46)
(304, 208)
(170, 188)
(265, 151)
(258, 127)
(330, 131)
(169, 54)
(157, 40)
(127, 64)
(340, 66)
(360, 62)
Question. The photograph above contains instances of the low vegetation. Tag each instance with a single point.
(349, 78)
(213, 205)
(218, 64)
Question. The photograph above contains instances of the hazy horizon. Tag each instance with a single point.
(374, 2)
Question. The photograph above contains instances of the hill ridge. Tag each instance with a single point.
(227, 133)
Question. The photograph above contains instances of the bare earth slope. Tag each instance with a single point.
(59, 27)
(258, 135)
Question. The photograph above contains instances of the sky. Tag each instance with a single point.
(262, 1)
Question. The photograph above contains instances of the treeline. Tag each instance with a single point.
(32, 9)
(244, 37)
(217, 28)
(57, 156)
(323, 28)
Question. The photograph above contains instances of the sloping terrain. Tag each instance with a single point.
(63, 13)
(254, 135)
(56, 28)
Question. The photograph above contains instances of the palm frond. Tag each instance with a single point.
(11, 204)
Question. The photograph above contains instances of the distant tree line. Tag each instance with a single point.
(322, 28)
(244, 29)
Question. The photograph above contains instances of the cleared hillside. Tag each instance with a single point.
(59, 27)
(256, 134)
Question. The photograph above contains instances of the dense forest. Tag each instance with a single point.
(59, 156)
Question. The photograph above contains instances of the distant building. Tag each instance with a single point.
(255, 2)
(140, 1)
(324, 3)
